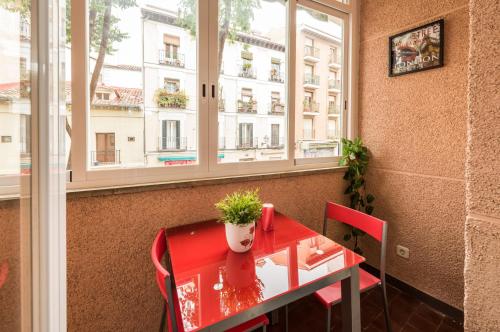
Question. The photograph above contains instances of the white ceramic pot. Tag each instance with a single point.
(240, 238)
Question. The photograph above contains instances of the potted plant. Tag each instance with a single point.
(240, 210)
(355, 157)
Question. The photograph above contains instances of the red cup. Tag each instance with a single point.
(267, 216)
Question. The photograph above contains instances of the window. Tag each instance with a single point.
(320, 94)
(246, 140)
(171, 138)
(206, 98)
(172, 85)
(102, 95)
(275, 135)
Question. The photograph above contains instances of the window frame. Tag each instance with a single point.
(85, 177)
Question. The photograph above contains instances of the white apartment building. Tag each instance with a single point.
(144, 114)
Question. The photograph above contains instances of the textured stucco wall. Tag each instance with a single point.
(415, 128)
(10, 293)
(111, 285)
(482, 233)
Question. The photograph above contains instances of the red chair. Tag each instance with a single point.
(372, 226)
(164, 281)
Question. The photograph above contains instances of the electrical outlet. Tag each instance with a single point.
(403, 251)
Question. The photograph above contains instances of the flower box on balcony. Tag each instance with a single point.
(166, 99)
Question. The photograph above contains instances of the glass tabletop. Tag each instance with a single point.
(214, 283)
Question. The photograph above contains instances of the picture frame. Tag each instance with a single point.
(418, 49)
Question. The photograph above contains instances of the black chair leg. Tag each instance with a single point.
(388, 323)
(329, 318)
(163, 317)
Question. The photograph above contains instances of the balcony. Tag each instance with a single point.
(332, 135)
(247, 106)
(311, 54)
(105, 157)
(246, 144)
(334, 110)
(276, 108)
(275, 76)
(172, 100)
(247, 71)
(311, 81)
(308, 134)
(222, 105)
(171, 59)
(334, 61)
(172, 143)
(334, 85)
(25, 30)
(310, 107)
(276, 143)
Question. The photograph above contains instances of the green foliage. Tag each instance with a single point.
(178, 99)
(355, 157)
(240, 208)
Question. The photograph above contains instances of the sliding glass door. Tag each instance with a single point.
(15, 164)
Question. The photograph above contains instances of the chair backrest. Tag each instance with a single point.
(157, 252)
(376, 228)
(164, 281)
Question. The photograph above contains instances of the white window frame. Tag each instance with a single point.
(84, 177)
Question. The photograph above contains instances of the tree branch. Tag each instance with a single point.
(102, 49)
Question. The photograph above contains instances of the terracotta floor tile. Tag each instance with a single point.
(408, 314)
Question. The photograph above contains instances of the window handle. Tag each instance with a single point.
(204, 88)
(213, 91)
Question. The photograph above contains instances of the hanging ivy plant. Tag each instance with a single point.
(355, 157)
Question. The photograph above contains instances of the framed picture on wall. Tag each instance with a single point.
(417, 49)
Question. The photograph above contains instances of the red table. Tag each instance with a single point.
(218, 289)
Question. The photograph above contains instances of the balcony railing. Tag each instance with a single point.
(275, 76)
(222, 105)
(334, 109)
(25, 29)
(332, 134)
(276, 108)
(276, 142)
(334, 84)
(105, 157)
(334, 59)
(311, 79)
(165, 99)
(311, 106)
(247, 72)
(247, 143)
(171, 59)
(308, 134)
(247, 106)
(172, 143)
(310, 51)
(222, 143)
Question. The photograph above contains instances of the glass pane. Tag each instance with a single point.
(143, 84)
(252, 66)
(15, 164)
(318, 116)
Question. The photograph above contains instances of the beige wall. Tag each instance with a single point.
(482, 231)
(415, 127)
(111, 283)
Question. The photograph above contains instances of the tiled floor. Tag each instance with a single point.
(407, 314)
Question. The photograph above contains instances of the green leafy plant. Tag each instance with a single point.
(178, 99)
(240, 208)
(355, 157)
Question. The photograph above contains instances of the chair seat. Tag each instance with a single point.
(251, 324)
(332, 294)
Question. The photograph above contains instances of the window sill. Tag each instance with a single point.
(128, 189)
